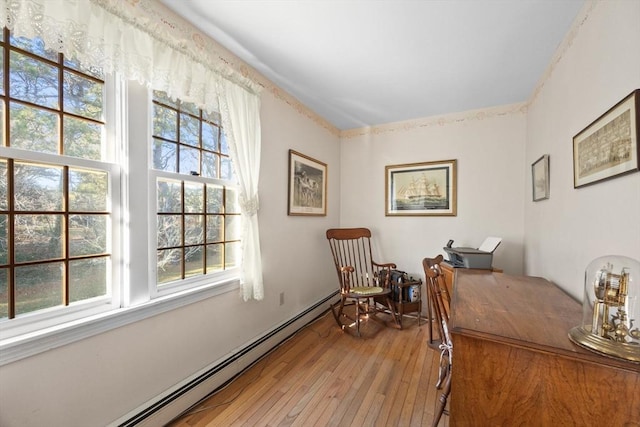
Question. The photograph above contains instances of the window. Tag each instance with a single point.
(198, 216)
(56, 186)
(71, 187)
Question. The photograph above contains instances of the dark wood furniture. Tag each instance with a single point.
(441, 304)
(402, 302)
(359, 276)
(515, 364)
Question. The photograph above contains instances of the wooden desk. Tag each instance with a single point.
(514, 364)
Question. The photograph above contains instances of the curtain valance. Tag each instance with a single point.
(118, 37)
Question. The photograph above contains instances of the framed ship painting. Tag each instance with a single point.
(307, 185)
(421, 189)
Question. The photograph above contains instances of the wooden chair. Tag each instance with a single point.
(440, 302)
(364, 283)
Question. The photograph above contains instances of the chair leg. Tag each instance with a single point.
(392, 309)
(442, 401)
(339, 313)
(358, 318)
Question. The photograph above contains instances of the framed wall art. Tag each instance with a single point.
(421, 189)
(307, 185)
(540, 178)
(608, 147)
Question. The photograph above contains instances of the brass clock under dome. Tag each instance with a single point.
(611, 310)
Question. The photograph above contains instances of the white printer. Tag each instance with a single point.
(481, 257)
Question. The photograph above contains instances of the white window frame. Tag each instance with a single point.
(133, 298)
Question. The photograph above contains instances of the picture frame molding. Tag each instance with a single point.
(306, 196)
(540, 171)
(403, 179)
(594, 136)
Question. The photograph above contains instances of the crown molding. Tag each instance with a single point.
(437, 121)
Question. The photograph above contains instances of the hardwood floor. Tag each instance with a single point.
(325, 377)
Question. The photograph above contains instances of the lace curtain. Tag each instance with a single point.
(239, 110)
(117, 37)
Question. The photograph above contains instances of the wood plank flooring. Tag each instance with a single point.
(325, 377)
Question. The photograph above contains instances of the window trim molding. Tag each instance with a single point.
(26, 345)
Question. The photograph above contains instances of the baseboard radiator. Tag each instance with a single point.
(167, 406)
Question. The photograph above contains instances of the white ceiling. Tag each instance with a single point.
(361, 63)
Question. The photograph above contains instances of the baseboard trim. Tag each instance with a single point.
(175, 401)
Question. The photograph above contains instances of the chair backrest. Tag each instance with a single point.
(440, 299)
(352, 256)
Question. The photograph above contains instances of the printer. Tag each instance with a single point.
(481, 257)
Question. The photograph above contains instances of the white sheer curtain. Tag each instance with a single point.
(118, 37)
(240, 112)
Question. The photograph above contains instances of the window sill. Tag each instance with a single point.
(20, 347)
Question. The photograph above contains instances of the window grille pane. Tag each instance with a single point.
(96, 72)
(226, 171)
(169, 196)
(209, 165)
(189, 160)
(88, 191)
(82, 96)
(169, 265)
(165, 155)
(190, 107)
(164, 99)
(189, 130)
(169, 231)
(194, 229)
(214, 228)
(83, 139)
(209, 137)
(35, 46)
(224, 145)
(194, 263)
(4, 239)
(33, 81)
(4, 293)
(2, 74)
(165, 123)
(25, 122)
(214, 257)
(87, 235)
(231, 202)
(232, 227)
(38, 237)
(38, 188)
(4, 201)
(87, 278)
(214, 198)
(38, 287)
(231, 254)
(193, 198)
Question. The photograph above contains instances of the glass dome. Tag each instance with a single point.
(610, 309)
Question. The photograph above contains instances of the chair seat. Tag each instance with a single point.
(367, 290)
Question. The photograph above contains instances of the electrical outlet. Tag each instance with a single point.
(281, 298)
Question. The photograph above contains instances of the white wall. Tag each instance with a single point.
(598, 68)
(100, 379)
(489, 148)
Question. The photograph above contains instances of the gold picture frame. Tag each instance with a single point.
(608, 147)
(540, 178)
(421, 189)
(307, 185)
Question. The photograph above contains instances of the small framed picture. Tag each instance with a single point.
(421, 189)
(307, 185)
(608, 147)
(540, 178)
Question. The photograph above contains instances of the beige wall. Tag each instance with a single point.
(489, 148)
(598, 67)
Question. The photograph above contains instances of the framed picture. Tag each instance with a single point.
(608, 147)
(540, 178)
(421, 189)
(307, 185)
